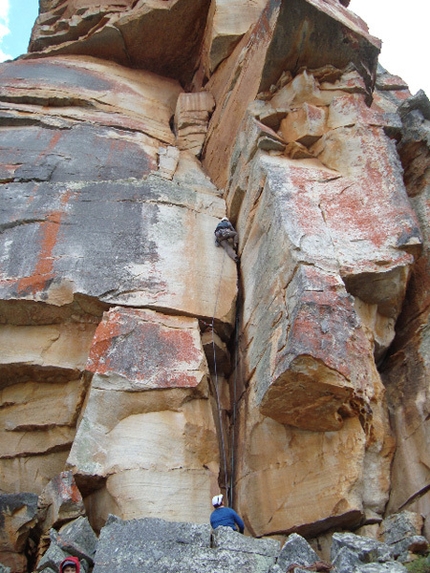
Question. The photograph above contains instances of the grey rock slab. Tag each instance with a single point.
(296, 550)
(51, 558)
(346, 560)
(368, 550)
(157, 546)
(78, 538)
(42, 156)
(227, 539)
(18, 514)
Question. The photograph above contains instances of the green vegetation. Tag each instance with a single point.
(419, 565)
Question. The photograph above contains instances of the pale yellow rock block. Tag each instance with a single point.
(151, 458)
(160, 441)
(169, 442)
(21, 443)
(229, 20)
(305, 124)
(191, 119)
(379, 329)
(194, 103)
(40, 405)
(31, 473)
(296, 479)
(182, 494)
(304, 88)
(63, 345)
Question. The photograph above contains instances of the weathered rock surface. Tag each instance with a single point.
(405, 371)
(148, 425)
(151, 544)
(18, 515)
(60, 502)
(157, 545)
(133, 360)
(154, 35)
(227, 22)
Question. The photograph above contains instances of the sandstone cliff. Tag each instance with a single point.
(134, 352)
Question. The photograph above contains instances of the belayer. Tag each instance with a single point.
(226, 237)
(225, 515)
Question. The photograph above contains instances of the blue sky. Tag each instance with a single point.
(402, 27)
(16, 21)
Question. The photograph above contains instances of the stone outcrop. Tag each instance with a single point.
(152, 544)
(141, 370)
(155, 544)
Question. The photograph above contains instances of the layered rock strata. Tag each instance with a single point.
(135, 354)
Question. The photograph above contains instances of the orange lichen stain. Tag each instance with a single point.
(52, 144)
(67, 490)
(107, 331)
(178, 380)
(43, 270)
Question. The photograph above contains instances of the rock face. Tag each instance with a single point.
(141, 371)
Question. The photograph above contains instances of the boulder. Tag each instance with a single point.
(367, 550)
(60, 502)
(77, 538)
(296, 550)
(403, 532)
(150, 543)
(304, 125)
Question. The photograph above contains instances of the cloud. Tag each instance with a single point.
(4, 28)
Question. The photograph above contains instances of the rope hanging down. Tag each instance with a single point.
(218, 402)
(234, 413)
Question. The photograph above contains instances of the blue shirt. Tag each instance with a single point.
(228, 517)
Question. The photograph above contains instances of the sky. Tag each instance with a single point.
(402, 27)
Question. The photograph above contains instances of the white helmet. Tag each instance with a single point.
(224, 219)
(217, 500)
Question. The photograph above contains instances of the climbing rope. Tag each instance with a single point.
(234, 410)
(216, 386)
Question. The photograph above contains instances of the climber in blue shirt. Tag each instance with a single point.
(225, 515)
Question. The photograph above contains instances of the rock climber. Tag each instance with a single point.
(70, 565)
(225, 515)
(224, 234)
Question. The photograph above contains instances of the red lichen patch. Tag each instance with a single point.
(107, 331)
(143, 349)
(43, 271)
(66, 487)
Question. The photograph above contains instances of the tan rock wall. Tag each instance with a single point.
(128, 131)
